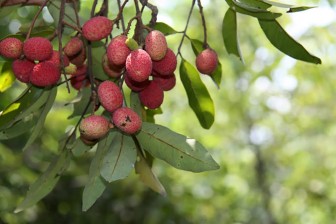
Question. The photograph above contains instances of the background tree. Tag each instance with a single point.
(272, 119)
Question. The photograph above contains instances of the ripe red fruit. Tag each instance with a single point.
(55, 59)
(94, 127)
(79, 58)
(138, 65)
(136, 86)
(110, 95)
(117, 51)
(45, 74)
(152, 96)
(23, 69)
(109, 69)
(73, 47)
(156, 45)
(167, 65)
(97, 28)
(126, 120)
(11, 48)
(165, 82)
(79, 78)
(207, 61)
(37, 48)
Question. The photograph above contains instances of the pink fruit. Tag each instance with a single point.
(139, 65)
(166, 82)
(11, 47)
(79, 58)
(55, 59)
(37, 48)
(73, 47)
(152, 96)
(109, 69)
(136, 86)
(45, 74)
(110, 95)
(94, 127)
(117, 51)
(97, 28)
(23, 69)
(156, 45)
(167, 65)
(79, 78)
(207, 61)
(126, 120)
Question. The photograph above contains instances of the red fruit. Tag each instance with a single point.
(136, 86)
(97, 28)
(110, 95)
(207, 61)
(73, 47)
(55, 59)
(152, 96)
(79, 58)
(37, 48)
(127, 120)
(156, 45)
(109, 69)
(117, 51)
(79, 78)
(138, 65)
(167, 65)
(45, 74)
(165, 82)
(11, 47)
(94, 127)
(23, 69)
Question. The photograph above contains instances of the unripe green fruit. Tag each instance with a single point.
(94, 127)
(207, 61)
(131, 44)
(126, 120)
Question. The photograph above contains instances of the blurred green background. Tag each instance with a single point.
(274, 135)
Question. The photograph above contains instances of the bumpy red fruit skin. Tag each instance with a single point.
(167, 65)
(79, 79)
(79, 58)
(165, 82)
(117, 51)
(45, 74)
(37, 48)
(127, 120)
(207, 61)
(94, 127)
(151, 96)
(109, 69)
(73, 47)
(97, 28)
(110, 96)
(138, 65)
(136, 86)
(55, 59)
(156, 45)
(23, 69)
(11, 48)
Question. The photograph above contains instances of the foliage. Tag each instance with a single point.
(115, 156)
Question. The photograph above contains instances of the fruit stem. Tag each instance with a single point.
(35, 18)
(205, 42)
(185, 29)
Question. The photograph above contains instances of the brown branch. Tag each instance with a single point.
(35, 18)
(21, 2)
(120, 15)
(205, 42)
(154, 10)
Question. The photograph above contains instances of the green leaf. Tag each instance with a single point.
(18, 128)
(96, 184)
(278, 4)
(260, 14)
(229, 33)
(97, 67)
(256, 4)
(79, 148)
(45, 110)
(18, 107)
(197, 46)
(147, 176)
(198, 96)
(179, 151)
(285, 43)
(299, 9)
(7, 77)
(119, 159)
(136, 104)
(164, 28)
(80, 103)
(251, 5)
(46, 182)
(69, 14)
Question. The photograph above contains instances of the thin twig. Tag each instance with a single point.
(21, 2)
(185, 29)
(205, 42)
(120, 15)
(35, 18)
(154, 10)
